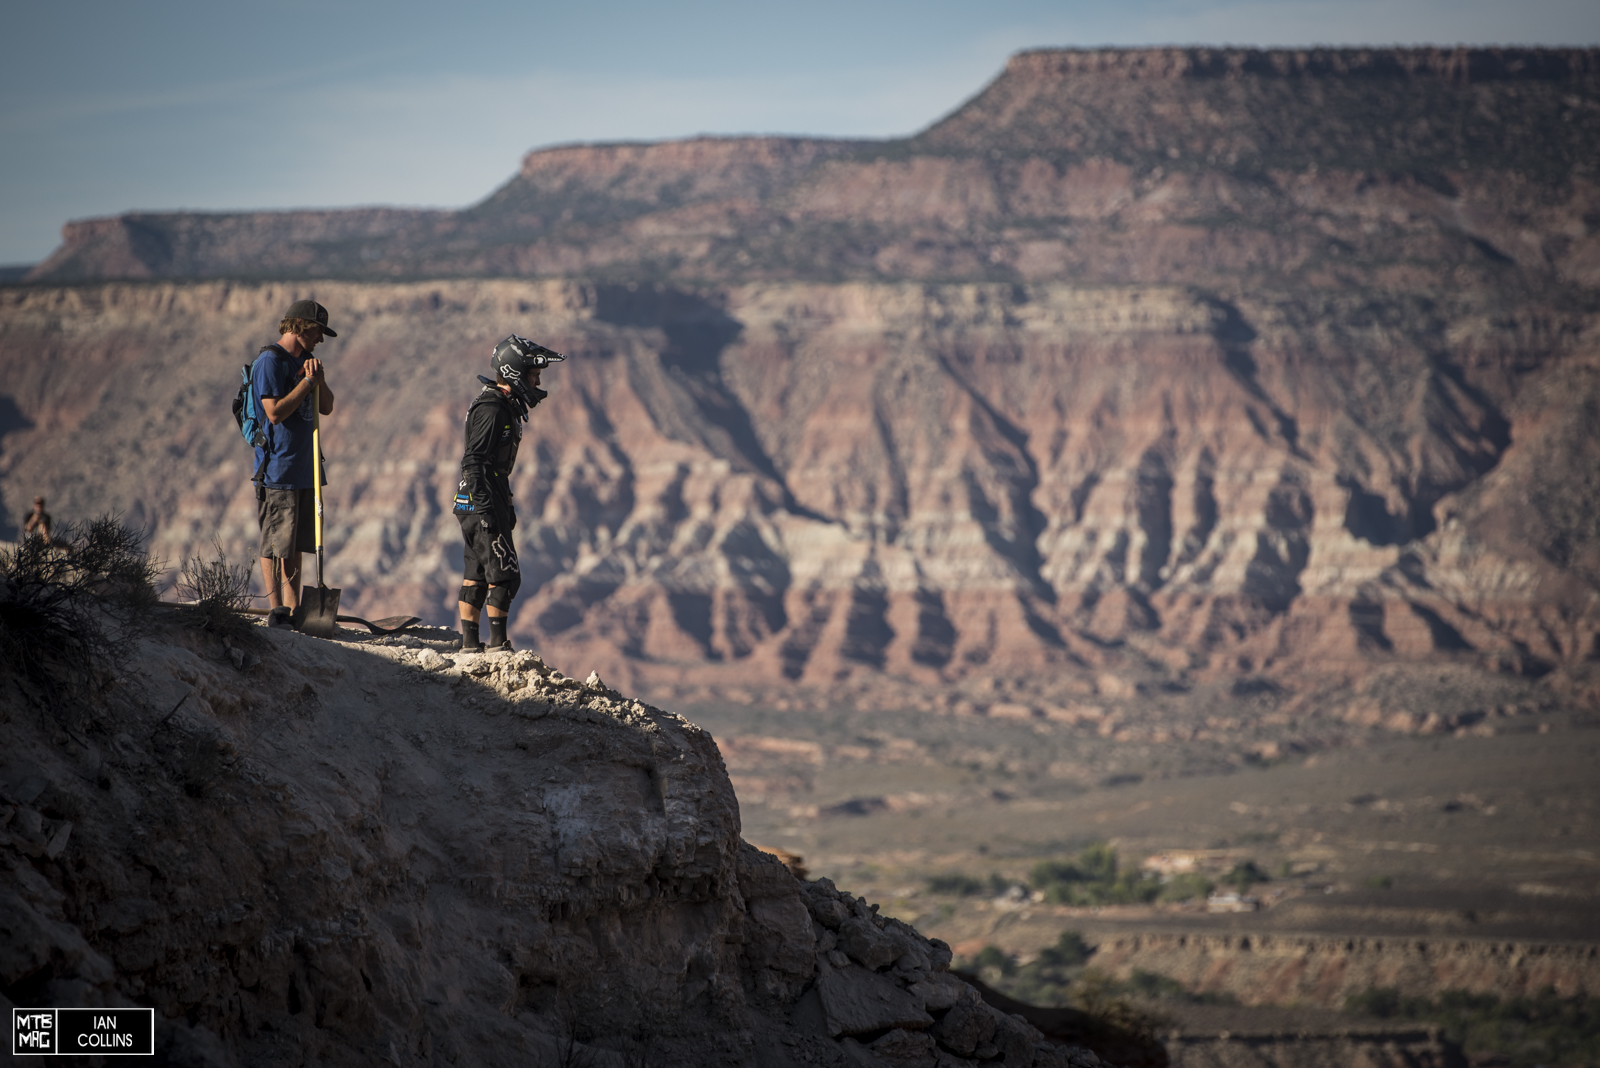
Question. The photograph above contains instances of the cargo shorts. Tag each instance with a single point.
(288, 522)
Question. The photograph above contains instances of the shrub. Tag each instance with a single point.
(1069, 951)
(1048, 978)
(1186, 886)
(1545, 1028)
(1154, 985)
(1092, 878)
(996, 958)
(217, 594)
(1380, 1001)
(1098, 862)
(955, 884)
(1048, 873)
(68, 609)
(1059, 976)
(1244, 875)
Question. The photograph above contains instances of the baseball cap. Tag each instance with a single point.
(311, 311)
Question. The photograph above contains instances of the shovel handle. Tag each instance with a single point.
(316, 468)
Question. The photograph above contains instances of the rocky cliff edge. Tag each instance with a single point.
(308, 852)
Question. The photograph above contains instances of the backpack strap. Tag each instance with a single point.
(266, 446)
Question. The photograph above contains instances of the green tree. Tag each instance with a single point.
(1244, 875)
(1069, 951)
(1092, 878)
(1186, 886)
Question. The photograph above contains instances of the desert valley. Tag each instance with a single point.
(1183, 455)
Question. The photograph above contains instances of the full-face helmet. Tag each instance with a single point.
(514, 359)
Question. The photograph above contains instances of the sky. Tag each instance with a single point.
(108, 106)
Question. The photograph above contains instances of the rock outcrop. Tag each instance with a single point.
(353, 855)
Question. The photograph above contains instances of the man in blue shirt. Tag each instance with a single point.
(283, 378)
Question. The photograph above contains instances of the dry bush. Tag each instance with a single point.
(217, 593)
(69, 610)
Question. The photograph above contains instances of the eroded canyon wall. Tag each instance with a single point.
(1277, 969)
(1151, 365)
(801, 482)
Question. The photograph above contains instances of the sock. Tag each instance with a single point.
(469, 635)
(497, 631)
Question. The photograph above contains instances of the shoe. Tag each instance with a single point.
(499, 640)
(282, 616)
(503, 647)
(463, 647)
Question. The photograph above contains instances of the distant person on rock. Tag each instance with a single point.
(483, 497)
(284, 377)
(36, 524)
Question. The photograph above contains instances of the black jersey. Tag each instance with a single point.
(493, 433)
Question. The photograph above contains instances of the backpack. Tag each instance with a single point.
(245, 409)
(244, 412)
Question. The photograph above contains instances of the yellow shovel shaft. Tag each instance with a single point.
(316, 468)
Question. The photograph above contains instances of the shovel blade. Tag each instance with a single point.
(386, 625)
(318, 614)
(390, 624)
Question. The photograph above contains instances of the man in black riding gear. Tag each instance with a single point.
(483, 497)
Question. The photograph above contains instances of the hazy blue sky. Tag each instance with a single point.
(167, 104)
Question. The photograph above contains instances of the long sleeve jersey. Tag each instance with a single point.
(493, 433)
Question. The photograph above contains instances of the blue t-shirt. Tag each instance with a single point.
(289, 442)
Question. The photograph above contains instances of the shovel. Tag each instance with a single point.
(386, 625)
(318, 614)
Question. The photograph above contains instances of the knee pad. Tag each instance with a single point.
(500, 596)
(474, 595)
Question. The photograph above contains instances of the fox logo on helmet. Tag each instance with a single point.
(525, 354)
(512, 359)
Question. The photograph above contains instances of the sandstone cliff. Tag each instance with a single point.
(299, 851)
(814, 483)
(1334, 167)
(1142, 372)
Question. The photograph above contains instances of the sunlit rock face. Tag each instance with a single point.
(801, 481)
(1187, 363)
(1398, 170)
